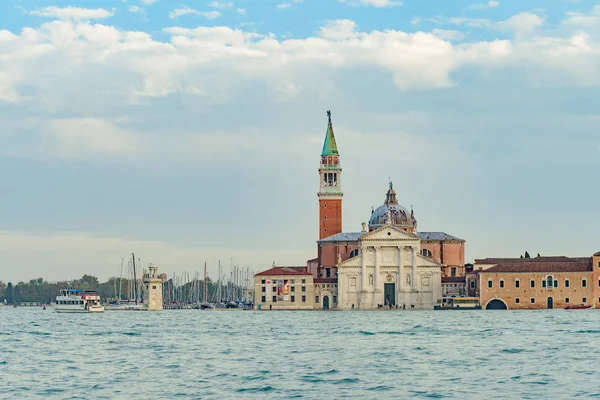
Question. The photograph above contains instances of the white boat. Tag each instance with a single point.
(125, 306)
(77, 301)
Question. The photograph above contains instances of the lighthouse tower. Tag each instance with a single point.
(330, 189)
(153, 296)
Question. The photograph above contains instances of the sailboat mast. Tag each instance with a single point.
(205, 291)
(134, 280)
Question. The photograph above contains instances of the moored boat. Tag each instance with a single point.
(458, 303)
(577, 307)
(77, 301)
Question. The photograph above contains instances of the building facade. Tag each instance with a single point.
(537, 283)
(388, 271)
(284, 288)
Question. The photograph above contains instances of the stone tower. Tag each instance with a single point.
(330, 187)
(153, 296)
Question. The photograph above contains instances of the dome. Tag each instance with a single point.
(400, 216)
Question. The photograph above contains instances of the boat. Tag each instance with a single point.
(78, 301)
(458, 303)
(577, 307)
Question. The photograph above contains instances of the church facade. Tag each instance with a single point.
(389, 263)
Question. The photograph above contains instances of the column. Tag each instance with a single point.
(376, 278)
(363, 268)
(399, 277)
(413, 279)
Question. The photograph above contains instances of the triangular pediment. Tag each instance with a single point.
(389, 232)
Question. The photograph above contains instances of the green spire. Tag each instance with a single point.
(329, 147)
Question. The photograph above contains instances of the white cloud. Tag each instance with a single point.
(448, 34)
(241, 11)
(148, 2)
(521, 23)
(283, 6)
(484, 6)
(73, 12)
(136, 10)
(179, 12)
(221, 4)
(373, 3)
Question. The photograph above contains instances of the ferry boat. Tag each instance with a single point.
(458, 303)
(78, 301)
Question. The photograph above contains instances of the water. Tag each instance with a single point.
(313, 355)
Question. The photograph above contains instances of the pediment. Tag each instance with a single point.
(389, 232)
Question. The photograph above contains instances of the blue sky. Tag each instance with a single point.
(191, 131)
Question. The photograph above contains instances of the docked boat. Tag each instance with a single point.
(78, 301)
(577, 307)
(458, 303)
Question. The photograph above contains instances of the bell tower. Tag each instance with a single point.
(330, 187)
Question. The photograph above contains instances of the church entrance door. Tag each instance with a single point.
(550, 303)
(389, 293)
(325, 302)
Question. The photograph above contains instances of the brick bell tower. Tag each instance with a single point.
(330, 187)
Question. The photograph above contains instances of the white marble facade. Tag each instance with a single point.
(389, 266)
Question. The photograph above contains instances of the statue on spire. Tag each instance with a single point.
(329, 115)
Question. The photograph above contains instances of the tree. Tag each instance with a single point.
(521, 255)
(538, 255)
(527, 255)
(89, 281)
(8, 293)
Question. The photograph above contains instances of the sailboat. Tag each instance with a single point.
(130, 304)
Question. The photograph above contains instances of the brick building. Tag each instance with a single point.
(536, 283)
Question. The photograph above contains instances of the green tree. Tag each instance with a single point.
(527, 255)
(8, 293)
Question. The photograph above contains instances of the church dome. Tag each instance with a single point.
(399, 215)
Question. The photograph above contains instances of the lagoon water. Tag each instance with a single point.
(312, 355)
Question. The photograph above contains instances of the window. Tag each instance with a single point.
(293, 288)
(263, 282)
(598, 282)
(325, 230)
(517, 300)
(517, 283)
(274, 281)
(325, 217)
(274, 299)
(316, 299)
(490, 284)
(567, 300)
(334, 299)
(264, 289)
(304, 288)
(584, 300)
(549, 282)
(304, 299)
(567, 283)
(426, 253)
(274, 289)
(328, 272)
(353, 253)
(325, 205)
(532, 283)
(303, 281)
(532, 300)
(556, 283)
(293, 299)
(472, 284)
(263, 299)
(584, 282)
(153, 286)
(453, 271)
(543, 283)
(501, 283)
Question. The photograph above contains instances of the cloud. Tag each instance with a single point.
(73, 12)
(148, 2)
(283, 6)
(448, 34)
(136, 10)
(221, 4)
(484, 6)
(373, 3)
(521, 23)
(179, 12)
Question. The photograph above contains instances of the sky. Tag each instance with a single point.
(190, 132)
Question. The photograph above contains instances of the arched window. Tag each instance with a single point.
(353, 253)
(549, 282)
(426, 253)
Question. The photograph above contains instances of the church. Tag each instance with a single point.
(387, 264)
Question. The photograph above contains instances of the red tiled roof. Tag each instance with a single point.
(521, 260)
(597, 254)
(568, 265)
(284, 271)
